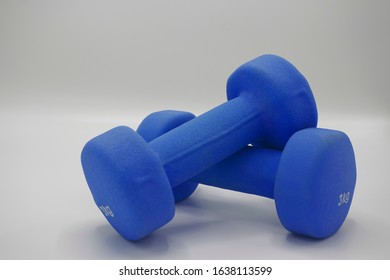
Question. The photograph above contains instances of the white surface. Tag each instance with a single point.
(47, 211)
(70, 70)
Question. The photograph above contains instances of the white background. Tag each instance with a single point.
(70, 70)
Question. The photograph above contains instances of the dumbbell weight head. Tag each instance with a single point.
(128, 182)
(283, 88)
(315, 182)
(312, 180)
(131, 179)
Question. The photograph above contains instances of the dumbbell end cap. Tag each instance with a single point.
(128, 182)
(315, 182)
(283, 94)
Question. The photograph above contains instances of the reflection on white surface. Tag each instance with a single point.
(48, 212)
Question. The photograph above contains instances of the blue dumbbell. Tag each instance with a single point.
(131, 180)
(312, 181)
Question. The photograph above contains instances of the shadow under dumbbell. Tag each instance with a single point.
(230, 206)
(212, 218)
(114, 245)
(345, 232)
(166, 243)
(335, 247)
(211, 215)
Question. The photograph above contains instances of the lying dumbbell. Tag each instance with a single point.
(312, 181)
(131, 179)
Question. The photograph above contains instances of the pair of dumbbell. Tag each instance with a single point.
(262, 141)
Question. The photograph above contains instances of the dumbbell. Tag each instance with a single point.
(131, 180)
(312, 181)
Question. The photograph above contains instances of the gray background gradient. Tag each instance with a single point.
(70, 70)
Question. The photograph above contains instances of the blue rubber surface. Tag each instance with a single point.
(128, 182)
(159, 123)
(315, 182)
(251, 170)
(286, 100)
(269, 101)
(312, 180)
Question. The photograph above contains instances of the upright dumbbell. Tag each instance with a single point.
(131, 179)
(312, 181)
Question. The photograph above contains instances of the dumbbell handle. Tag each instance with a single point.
(196, 145)
(251, 170)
